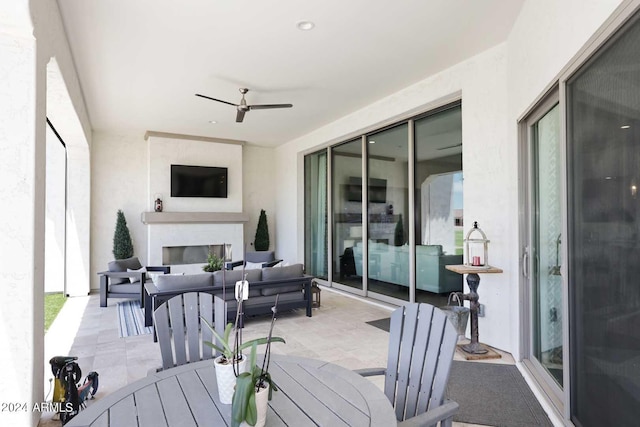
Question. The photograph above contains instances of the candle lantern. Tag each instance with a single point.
(157, 203)
(477, 247)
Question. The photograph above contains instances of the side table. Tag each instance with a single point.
(473, 280)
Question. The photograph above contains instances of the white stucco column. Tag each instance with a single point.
(22, 215)
(78, 219)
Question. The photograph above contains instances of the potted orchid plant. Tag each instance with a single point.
(255, 387)
(231, 361)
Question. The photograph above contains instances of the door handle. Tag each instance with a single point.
(525, 263)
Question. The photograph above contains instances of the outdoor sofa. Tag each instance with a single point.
(290, 283)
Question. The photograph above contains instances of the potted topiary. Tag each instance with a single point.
(261, 242)
(231, 361)
(122, 246)
(214, 263)
(398, 235)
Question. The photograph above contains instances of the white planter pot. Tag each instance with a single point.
(262, 400)
(226, 378)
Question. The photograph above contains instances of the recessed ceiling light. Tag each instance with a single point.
(305, 25)
(625, 127)
(213, 122)
(372, 142)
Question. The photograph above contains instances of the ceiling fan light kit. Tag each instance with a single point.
(243, 107)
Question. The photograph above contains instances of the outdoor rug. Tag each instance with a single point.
(131, 319)
(495, 395)
(489, 393)
(381, 323)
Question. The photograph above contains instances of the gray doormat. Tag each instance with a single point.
(495, 395)
(381, 323)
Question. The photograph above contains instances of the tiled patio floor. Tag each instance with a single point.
(337, 332)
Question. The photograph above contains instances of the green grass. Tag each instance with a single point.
(459, 237)
(52, 305)
(459, 242)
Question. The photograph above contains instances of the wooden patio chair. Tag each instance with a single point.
(421, 346)
(177, 324)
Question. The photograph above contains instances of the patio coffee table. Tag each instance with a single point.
(311, 392)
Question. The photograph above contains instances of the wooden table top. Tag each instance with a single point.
(311, 392)
(469, 269)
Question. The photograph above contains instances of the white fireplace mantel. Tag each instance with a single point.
(171, 229)
(194, 217)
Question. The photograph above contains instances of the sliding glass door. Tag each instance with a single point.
(543, 243)
(387, 212)
(603, 149)
(347, 201)
(438, 203)
(315, 179)
(395, 211)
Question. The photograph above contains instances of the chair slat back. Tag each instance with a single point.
(421, 347)
(177, 323)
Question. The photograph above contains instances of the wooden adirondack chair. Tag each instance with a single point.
(421, 347)
(177, 323)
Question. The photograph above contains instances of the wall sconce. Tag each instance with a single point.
(477, 248)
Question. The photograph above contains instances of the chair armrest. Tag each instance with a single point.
(431, 417)
(369, 372)
(271, 263)
(121, 274)
(229, 265)
(166, 269)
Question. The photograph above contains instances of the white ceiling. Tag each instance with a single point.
(140, 62)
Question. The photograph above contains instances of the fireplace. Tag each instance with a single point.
(183, 239)
(194, 254)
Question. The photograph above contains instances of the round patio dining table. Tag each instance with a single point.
(311, 393)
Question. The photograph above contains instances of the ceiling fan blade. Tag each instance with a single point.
(267, 106)
(240, 116)
(214, 99)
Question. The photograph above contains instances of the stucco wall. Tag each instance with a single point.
(481, 83)
(259, 189)
(496, 87)
(128, 171)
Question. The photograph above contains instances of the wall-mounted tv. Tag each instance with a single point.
(377, 190)
(198, 181)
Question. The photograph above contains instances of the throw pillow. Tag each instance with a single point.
(134, 279)
(252, 265)
(121, 265)
(249, 266)
(154, 275)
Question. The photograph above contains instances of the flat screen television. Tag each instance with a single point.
(198, 181)
(377, 190)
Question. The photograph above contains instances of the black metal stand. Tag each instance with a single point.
(474, 347)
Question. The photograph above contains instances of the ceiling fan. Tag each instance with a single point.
(243, 107)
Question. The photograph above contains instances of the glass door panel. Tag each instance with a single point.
(346, 161)
(315, 198)
(546, 241)
(603, 149)
(388, 194)
(438, 204)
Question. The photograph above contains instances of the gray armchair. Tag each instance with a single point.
(118, 282)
